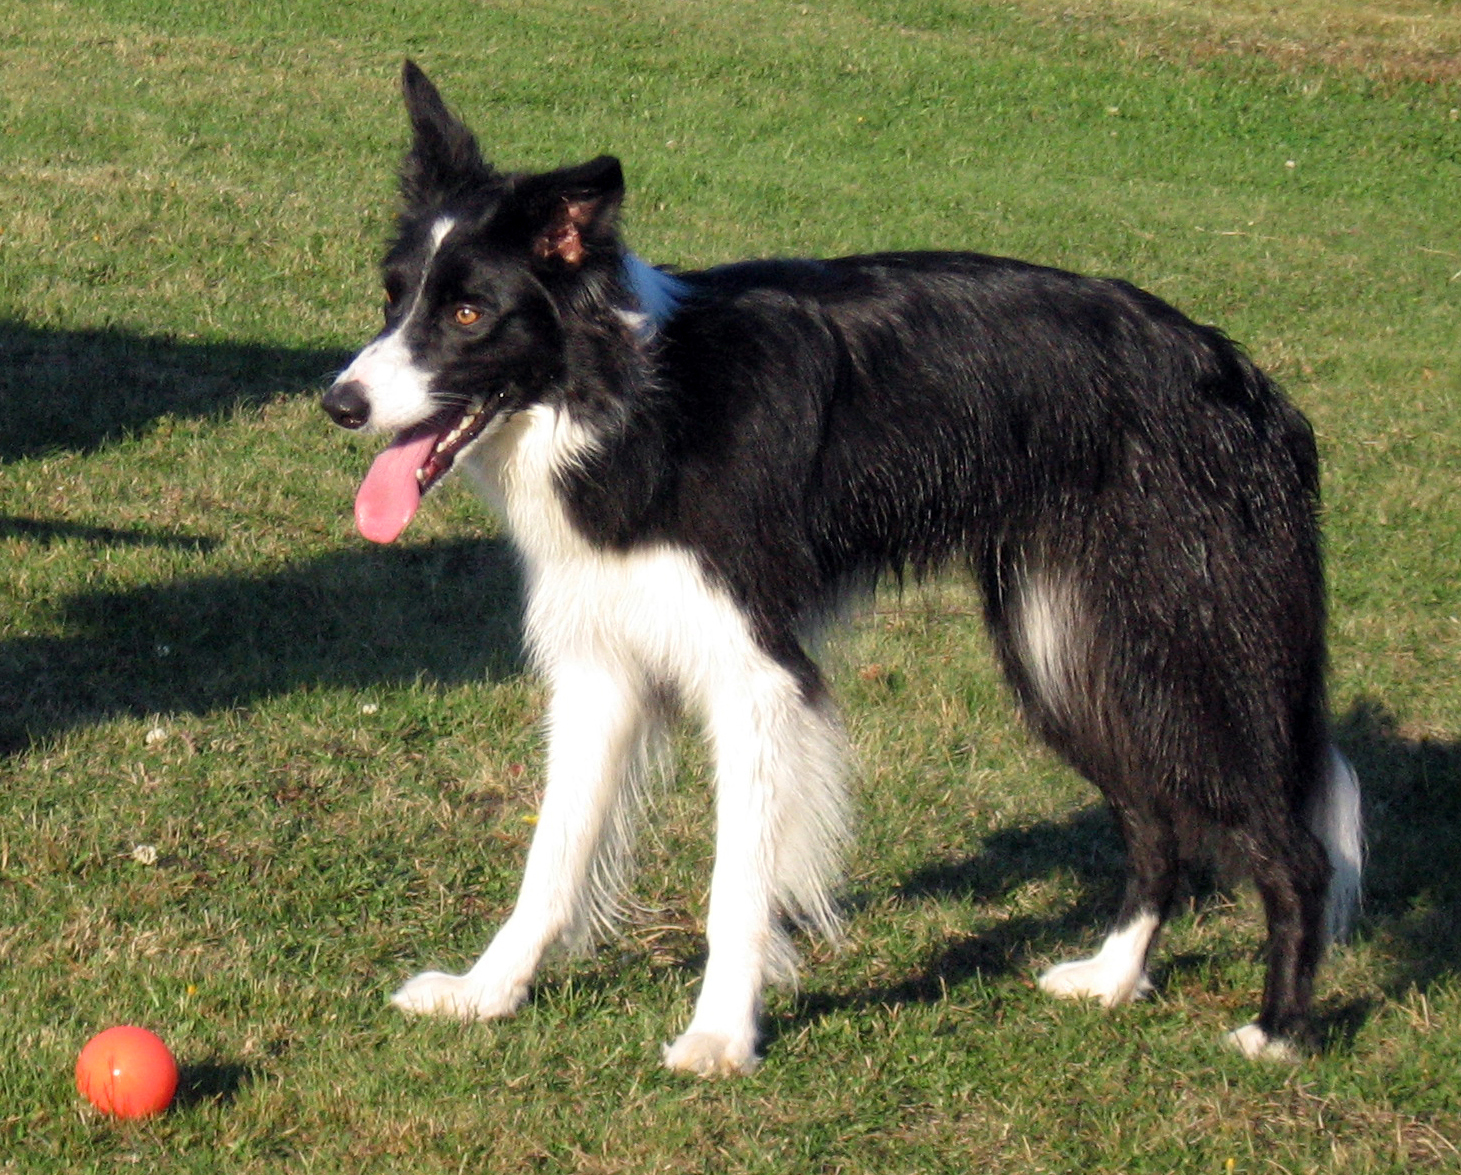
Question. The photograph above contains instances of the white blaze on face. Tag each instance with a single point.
(398, 392)
(396, 388)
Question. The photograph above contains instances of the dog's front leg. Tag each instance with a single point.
(781, 821)
(598, 726)
(721, 1037)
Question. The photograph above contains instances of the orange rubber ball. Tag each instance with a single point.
(127, 1072)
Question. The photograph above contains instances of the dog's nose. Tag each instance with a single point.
(346, 404)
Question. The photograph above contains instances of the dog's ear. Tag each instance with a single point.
(444, 157)
(571, 212)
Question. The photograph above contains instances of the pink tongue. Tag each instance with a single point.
(390, 493)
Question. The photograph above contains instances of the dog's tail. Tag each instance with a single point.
(1335, 817)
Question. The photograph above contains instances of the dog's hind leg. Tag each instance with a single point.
(1292, 874)
(781, 823)
(1300, 923)
(599, 731)
(1117, 974)
(1045, 637)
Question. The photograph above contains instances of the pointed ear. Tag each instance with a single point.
(444, 156)
(571, 212)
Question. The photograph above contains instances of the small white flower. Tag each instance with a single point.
(154, 736)
(370, 708)
(145, 854)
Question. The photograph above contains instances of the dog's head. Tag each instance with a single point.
(483, 269)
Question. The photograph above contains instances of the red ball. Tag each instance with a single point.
(127, 1072)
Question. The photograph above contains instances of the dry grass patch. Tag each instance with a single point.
(1412, 40)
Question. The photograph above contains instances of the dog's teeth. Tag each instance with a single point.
(462, 426)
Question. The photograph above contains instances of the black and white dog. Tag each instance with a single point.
(697, 468)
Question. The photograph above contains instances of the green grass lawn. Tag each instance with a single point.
(254, 772)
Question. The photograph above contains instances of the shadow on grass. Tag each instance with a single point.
(1412, 789)
(208, 1082)
(50, 531)
(444, 612)
(80, 390)
(1087, 843)
(1413, 895)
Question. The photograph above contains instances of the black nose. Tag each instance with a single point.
(346, 404)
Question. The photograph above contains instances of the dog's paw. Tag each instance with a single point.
(708, 1054)
(436, 994)
(1257, 1045)
(1095, 979)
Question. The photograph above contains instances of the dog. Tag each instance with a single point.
(699, 468)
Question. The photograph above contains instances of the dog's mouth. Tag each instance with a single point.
(414, 462)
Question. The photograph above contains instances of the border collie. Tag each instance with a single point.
(696, 468)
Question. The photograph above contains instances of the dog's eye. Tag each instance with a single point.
(466, 315)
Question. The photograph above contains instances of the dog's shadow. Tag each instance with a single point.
(444, 612)
(79, 390)
(1412, 793)
(1412, 790)
(360, 618)
(1086, 843)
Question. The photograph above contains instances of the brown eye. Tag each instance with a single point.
(467, 316)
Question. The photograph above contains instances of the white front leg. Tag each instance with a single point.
(721, 1037)
(598, 728)
(781, 823)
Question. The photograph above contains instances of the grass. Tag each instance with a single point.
(332, 750)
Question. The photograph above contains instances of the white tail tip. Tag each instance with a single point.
(1335, 817)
